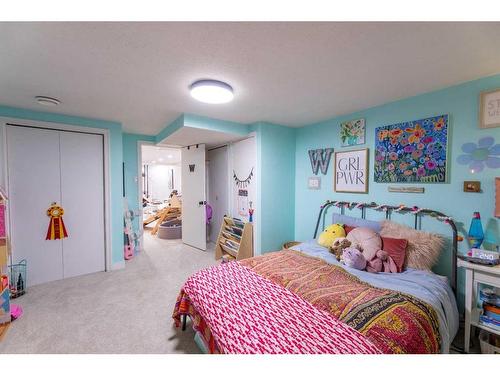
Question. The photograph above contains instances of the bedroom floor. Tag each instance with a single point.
(125, 311)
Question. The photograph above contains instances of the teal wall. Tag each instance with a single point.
(276, 176)
(131, 159)
(461, 103)
(115, 163)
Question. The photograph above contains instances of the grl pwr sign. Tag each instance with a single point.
(351, 171)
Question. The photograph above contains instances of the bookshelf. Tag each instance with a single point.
(235, 241)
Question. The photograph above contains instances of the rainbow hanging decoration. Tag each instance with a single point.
(57, 230)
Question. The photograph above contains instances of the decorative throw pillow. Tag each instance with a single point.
(423, 248)
(396, 248)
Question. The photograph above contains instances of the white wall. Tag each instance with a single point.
(159, 181)
(218, 188)
(242, 158)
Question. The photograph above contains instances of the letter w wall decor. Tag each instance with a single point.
(320, 159)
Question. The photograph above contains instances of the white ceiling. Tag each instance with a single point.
(160, 155)
(287, 73)
(187, 136)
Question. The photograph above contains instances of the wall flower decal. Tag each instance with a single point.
(485, 153)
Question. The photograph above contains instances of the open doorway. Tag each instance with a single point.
(161, 191)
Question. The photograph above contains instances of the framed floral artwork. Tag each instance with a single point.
(352, 133)
(414, 151)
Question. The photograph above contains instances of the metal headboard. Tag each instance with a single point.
(389, 209)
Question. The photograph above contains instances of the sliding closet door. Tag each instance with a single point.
(83, 202)
(33, 184)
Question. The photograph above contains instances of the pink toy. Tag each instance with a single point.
(353, 258)
(367, 239)
(382, 263)
(15, 311)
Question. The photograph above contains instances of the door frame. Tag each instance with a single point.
(4, 121)
(140, 190)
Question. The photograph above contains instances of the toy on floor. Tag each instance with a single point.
(338, 246)
(353, 257)
(330, 234)
(15, 312)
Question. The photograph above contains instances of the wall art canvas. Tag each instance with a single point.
(489, 109)
(351, 171)
(414, 151)
(352, 133)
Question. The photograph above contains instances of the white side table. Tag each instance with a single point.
(476, 274)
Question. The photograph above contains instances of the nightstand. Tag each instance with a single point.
(476, 274)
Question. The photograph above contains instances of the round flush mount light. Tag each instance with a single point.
(47, 101)
(211, 91)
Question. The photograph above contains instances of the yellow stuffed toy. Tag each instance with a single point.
(330, 234)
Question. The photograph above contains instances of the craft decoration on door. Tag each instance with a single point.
(191, 167)
(57, 230)
(243, 183)
(243, 202)
(320, 159)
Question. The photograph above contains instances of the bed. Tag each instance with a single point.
(302, 300)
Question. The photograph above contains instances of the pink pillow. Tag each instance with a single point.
(396, 248)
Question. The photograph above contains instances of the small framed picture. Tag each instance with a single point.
(489, 109)
(351, 171)
(352, 132)
(472, 186)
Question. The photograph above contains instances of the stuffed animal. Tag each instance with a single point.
(338, 246)
(382, 263)
(332, 232)
(369, 241)
(353, 258)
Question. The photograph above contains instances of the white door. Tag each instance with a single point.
(33, 184)
(218, 188)
(46, 166)
(194, 229)
(82, 197)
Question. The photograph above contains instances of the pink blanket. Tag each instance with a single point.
(248, 313)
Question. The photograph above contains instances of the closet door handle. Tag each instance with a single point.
(202, 203)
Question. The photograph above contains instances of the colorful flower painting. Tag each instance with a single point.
(413, 151)
(352, 133)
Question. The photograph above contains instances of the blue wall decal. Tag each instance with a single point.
(484, 154)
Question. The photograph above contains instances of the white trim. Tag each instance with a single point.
(140, 191)
(107, 195)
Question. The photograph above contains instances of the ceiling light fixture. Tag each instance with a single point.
(211, 91)
(169, 156)
(47, 100)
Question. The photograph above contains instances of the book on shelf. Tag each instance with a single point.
(488, 322)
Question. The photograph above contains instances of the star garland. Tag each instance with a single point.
(242, 183)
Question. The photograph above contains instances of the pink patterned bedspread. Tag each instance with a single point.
(249, 314)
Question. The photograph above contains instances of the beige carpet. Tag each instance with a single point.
(125, 311)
